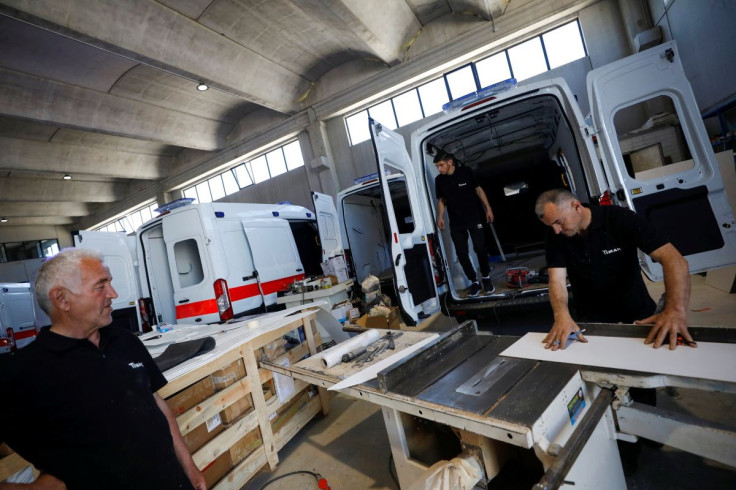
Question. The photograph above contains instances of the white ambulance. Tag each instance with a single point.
(644, 147)
(208, 263)
(17, 318)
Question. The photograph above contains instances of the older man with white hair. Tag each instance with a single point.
(82, 401)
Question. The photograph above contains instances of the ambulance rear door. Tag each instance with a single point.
(410, 251)
(658, 156)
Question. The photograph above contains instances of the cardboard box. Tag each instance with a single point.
(203, 433)
(217, 469)
(392, 321)
(273, 350)
(242, 449)
(288, 411)
(222, 378)
(236, 410)
(334, 264)
(190, 396)
(340, 311)
(342, 274)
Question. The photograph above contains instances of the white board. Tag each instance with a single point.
(709, 360)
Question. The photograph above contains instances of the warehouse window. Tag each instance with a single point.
(276, 162)
(531, 57)
(12, 251)
(132, 221)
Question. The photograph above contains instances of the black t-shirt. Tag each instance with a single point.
(464, 208)
(88, 416)
(603, 265)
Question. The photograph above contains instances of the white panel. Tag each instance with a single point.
(708, 361)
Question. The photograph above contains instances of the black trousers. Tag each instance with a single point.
(478, 237)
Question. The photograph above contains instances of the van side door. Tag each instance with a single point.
(275, 255)
(410, 252)
(657, 152)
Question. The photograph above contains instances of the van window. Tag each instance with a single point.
(651, 139)
(402, 208)
(188, 263)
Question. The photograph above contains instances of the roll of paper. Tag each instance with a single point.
(334, 355)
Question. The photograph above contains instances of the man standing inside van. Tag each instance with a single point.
(467, 207)
(597, 248)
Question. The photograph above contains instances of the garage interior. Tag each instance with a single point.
(108, 108)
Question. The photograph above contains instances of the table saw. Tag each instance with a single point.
(568, 417)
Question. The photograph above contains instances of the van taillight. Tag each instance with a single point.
(222, 296)
(433, 260)
(11, 339)
(144, 313)
(605, 199)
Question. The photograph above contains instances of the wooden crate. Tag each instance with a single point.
(247, 441)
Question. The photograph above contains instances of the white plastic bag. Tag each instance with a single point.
(460, 473)
(371, 284)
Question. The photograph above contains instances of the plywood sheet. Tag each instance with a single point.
(710, 360)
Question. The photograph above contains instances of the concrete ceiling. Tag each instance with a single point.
(106, 90)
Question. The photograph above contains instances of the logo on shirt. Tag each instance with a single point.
(462, 184)
(611, 251)
(135, 365)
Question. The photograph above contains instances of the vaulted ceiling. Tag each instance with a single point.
(105, 90)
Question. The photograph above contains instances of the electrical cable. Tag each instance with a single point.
(321, 482)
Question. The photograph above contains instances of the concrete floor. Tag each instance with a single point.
(350, 447)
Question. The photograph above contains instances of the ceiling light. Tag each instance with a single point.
(202, 87)
(67, 177)
(3, 220)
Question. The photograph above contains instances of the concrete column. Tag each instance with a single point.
(320, 167)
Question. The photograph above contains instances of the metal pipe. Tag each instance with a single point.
(498, 243)
(556, 473)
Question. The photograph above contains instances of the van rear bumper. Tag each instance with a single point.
(512, 307)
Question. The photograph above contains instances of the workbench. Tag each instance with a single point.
(568, 416)
(333, 295)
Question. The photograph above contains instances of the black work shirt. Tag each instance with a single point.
(87, 415)
(603, 265)
(464, 208)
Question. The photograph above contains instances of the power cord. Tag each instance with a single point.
(321, 481)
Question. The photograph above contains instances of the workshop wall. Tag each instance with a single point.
(705, 36)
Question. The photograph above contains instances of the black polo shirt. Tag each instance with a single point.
(603, 265)
(464, 208)
(87, 415)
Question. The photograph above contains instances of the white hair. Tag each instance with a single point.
(63, 269)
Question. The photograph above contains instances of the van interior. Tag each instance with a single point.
(517, 149)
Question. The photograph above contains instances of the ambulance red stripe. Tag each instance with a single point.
(209, 306)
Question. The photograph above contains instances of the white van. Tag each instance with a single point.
(17, 318)
(207, 263)
(644, 147)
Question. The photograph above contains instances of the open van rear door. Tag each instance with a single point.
(658, 157)
(118, 249)
(410, 252)
(275, 255)
(328, 225)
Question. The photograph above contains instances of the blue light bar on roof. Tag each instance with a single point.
(184, 201)
(481, 94)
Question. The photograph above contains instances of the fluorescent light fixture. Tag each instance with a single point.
(67, 177)
(202, 87)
